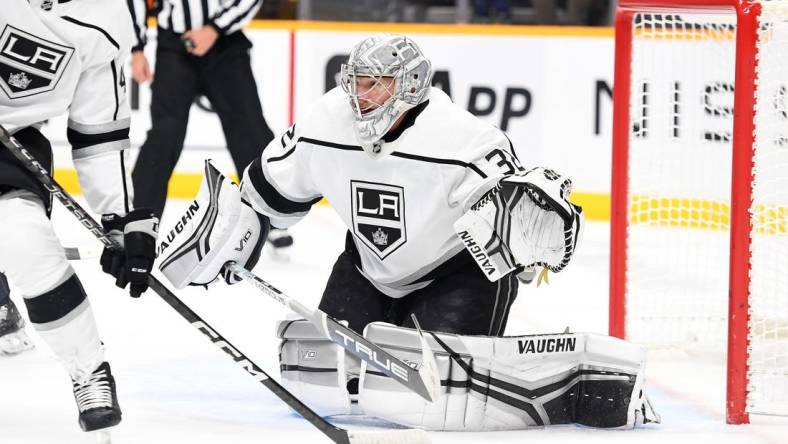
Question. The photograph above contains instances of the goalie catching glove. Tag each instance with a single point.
(217, 228)
(525, 221)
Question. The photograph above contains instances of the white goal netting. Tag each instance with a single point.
(768, 374)
(679, 187)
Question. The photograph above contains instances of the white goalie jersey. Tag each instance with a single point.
(60, 57)
(400, 208)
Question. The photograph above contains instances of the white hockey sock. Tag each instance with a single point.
(75, 342)
(64, 320)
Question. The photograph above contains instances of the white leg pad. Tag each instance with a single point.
(315, 369)
(511, 383)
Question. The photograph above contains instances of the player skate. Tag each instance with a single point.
(13, 339)
(96, 399)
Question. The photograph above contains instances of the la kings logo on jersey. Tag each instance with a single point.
(378, 216)
(30, 65)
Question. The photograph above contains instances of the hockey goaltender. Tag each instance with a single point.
(444, 224)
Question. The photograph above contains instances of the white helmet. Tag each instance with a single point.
(379, 56)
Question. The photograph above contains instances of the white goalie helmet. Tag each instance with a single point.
(399, 69)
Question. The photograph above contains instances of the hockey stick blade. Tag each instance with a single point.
(81, 253)
(408, 436)
(336, 434)
(425, 381)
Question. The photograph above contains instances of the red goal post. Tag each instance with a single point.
(711, 214)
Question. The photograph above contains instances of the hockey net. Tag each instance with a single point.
(700, 260)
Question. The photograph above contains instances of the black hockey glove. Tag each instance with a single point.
(136, 233)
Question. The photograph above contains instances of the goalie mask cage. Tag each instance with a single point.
(699, 224)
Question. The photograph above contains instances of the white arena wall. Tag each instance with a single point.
(549, 88)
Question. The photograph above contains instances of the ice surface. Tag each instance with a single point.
(176, 387)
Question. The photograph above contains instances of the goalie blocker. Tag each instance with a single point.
(489, 383)
(218, 227)
(525, 221)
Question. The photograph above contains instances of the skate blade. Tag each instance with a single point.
(103, 436)
(15, 343)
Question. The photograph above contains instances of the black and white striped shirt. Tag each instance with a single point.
(179, 16)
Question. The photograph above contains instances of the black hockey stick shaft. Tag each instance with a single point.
(338, 435)
(80, 253)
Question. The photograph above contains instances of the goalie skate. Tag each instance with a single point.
(97, 400)
(646, 413)
(13, 339)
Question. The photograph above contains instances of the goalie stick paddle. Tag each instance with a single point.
(336, 434)
(425, 381)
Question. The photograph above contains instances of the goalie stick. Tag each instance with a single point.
(336, 434)
(425, 381)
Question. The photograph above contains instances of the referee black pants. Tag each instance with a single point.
(224, 76)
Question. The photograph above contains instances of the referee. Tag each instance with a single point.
(201, 51)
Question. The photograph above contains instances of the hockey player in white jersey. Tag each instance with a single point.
(400, 163)
(443, 223)
(61, 57)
